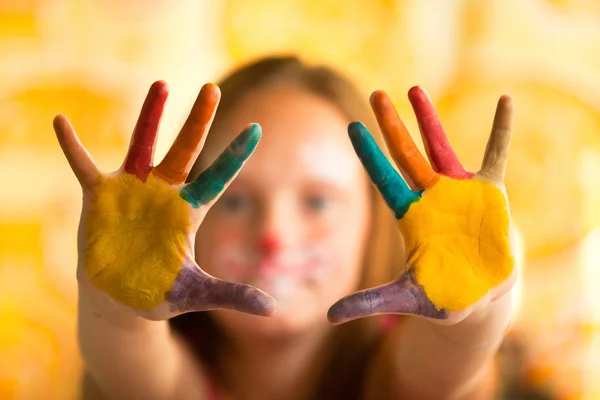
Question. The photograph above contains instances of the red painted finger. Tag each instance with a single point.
(440, 153)
(139, 157)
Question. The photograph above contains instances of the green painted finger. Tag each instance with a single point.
(210, 183)
(392, 187)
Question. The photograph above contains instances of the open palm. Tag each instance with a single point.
(456, 224)
(138, 224)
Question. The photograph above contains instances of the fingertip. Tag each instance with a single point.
(506, 101)
(211, 86)
(504, 112)
(332, 318)
(336, 320)
(246, 141)
(377, 97)
(416, 92)
(419, 98)
(60, 123)
(339, 312)
(254, 128)
(262, 304)
(421, 103)
(58, 119)
(357, 128)
(270, 308)
(211, 92)
(160, 88)
(251, 134)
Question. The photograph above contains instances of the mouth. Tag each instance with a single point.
(298, 266)
(268, 269)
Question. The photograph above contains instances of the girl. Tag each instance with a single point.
(250, 297)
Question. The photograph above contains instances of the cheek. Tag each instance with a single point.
(346, 257)
(353, 237)
(344, 242)
(215, 245)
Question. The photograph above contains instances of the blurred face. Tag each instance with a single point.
(294, 222)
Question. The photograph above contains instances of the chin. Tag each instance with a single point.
(295, 316)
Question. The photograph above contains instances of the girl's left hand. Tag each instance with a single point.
(456, 224)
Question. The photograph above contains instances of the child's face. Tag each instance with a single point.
(294, 223)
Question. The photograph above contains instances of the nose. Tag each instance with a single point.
(268, 243)
(279, 227)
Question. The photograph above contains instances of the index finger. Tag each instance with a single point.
(392, 187)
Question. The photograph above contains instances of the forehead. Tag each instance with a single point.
(303, 135)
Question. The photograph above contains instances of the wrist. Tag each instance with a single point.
(94, 305)
(480, 329)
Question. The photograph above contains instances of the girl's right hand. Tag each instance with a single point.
(138, 224)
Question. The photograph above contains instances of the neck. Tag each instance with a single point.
(275, 367)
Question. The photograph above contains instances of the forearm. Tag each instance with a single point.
(451, 362)
(129, 357)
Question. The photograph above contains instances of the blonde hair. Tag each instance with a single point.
(352, 342)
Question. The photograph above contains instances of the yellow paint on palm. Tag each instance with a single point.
(134, 237)
(458, 241)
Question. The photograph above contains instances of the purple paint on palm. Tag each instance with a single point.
(195, 290)
(403, 296)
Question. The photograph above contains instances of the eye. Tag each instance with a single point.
(317, 203)
(235, 202)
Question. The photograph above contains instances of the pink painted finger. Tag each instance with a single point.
(79, 159)
(440, 153)
(139, 157)
(402, 296)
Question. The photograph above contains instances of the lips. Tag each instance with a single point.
(270, 268)
(251, 265)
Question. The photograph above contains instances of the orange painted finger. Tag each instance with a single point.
(79, 159)
(182, 155)
(402, 148)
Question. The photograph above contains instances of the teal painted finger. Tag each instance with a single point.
(390, 184)
(210, 183)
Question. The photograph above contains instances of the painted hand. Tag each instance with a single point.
(137, 229)
(456, 224)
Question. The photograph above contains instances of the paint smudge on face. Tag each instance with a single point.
(280, 274)
(268, 244)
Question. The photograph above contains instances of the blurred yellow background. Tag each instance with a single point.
(94, 61)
